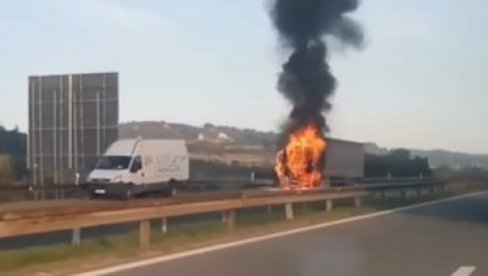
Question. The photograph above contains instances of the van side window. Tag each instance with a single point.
(136, 164)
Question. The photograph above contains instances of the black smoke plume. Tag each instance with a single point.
(306, 80)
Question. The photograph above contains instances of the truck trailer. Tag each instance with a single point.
(344, 161)
(135, 166)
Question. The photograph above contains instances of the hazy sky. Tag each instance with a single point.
(420, 82)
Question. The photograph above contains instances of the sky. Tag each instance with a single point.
(420, 81)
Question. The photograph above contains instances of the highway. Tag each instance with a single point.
(446, 238)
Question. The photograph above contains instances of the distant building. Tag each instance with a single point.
(223, 137)
(72, 120)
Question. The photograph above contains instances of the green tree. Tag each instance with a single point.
(13, 144)
(6, 169)
(397, 163)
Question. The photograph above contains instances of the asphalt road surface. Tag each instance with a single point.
(449, 238)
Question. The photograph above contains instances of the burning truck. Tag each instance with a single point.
(307, 83)
(309, 162)
(300, 164)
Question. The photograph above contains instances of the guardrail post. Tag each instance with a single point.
(431, 191)
(357, 201)
(230, 219)
(441, 189)
(144, 233)
(269, 210)
(329, 205)
(289, 211)
(36, 195)
(76, 236)
(164, 225)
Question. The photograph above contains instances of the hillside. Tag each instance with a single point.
(217, 143)
(208, 133)
(231, 144)
(439, 158)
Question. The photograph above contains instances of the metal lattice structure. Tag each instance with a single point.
(72, 120)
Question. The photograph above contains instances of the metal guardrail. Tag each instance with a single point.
(61, 191)
(43, 221)
(210, 182)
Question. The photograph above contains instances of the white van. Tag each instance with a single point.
(134, 166)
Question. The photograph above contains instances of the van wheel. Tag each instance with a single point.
(173, 187)
(129, 193)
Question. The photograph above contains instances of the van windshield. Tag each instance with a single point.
(113, 163)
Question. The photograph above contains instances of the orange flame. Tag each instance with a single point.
(299, 164)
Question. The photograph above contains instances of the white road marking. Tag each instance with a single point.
(166, 258)
(464, 271)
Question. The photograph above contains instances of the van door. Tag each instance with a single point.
(137, 171)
